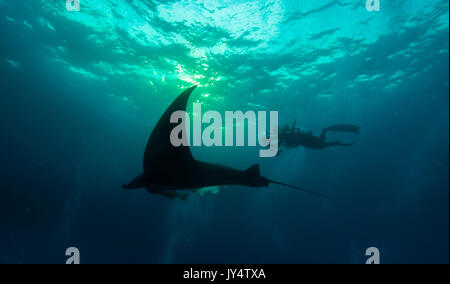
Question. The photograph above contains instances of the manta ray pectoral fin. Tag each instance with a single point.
(160, 155)
(137, 183)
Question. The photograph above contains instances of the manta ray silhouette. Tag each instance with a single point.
(169, 169)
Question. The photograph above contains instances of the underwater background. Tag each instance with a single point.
(82, 91)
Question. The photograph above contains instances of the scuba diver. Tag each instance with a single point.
(293, 137)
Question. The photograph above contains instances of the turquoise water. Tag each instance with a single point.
(81, 92)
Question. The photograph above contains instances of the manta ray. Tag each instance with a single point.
(171, 171)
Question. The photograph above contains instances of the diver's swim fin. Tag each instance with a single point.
(299, 188)
(344, 128)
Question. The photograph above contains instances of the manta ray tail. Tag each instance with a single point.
(299, 188)
(254, 171)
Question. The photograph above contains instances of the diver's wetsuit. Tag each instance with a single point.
(291, 138)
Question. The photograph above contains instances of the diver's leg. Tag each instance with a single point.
(338, 128)
(335, 144)
(323, 136)
(344, 128)
(344, 144)
(328, 145)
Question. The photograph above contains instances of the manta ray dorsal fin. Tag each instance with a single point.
(160, 154)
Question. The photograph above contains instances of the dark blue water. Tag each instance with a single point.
(81, 92)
